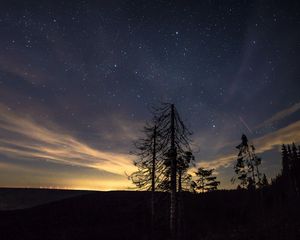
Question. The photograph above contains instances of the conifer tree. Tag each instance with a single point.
(205, 182)
(290, 169)
(247, 166)
(285, 161)
(297, 170)
(264, 181)
(294, 168)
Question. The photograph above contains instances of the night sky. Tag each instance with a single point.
(77, 80)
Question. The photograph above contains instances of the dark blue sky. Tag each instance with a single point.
(77, 79)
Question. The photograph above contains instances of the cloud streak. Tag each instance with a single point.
(288, 134)
(281, 115)
(25, 138)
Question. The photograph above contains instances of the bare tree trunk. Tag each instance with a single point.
(153, 182)
(173, 178)
(179, 181)
(179, 206)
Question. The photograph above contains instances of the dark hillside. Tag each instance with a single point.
(19, 198)
(113, 215)
(126, 215)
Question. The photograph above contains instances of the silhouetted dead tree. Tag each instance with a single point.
(175, 137)
(164, 155)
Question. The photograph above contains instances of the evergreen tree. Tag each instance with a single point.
(297, 171)
(285, 161)
(264, 181)
(247, 166)
(205, 182)
(294, 168)
(289, 178)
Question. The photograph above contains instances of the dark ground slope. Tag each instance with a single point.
(102, 215)
(19, 198)
(126, 215)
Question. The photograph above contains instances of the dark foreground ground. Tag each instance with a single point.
(126, 215)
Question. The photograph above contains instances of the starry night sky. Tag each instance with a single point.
(77, 80)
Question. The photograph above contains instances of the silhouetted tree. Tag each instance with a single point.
(205, 182)
(264, 181)
(290, 169)
(247, 166)
(164, 154)
(295, 168)
(184, 179)
(297, 171)
(147, 149)
(285, 162)
(175, 141)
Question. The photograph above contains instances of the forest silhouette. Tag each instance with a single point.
(165, 156)
(176, 198)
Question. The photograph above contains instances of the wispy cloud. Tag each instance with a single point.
(288, 134)
(18, 66)
(23, 138)
(280, 115)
